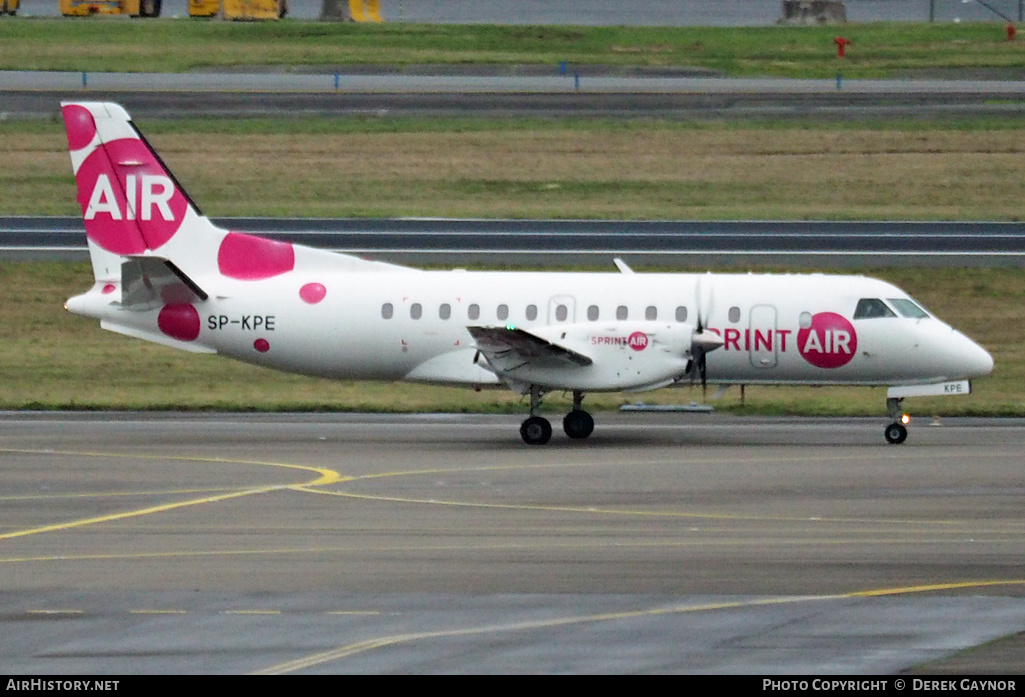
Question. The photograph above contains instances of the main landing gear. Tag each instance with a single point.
(578, 423)
(896, 433)
(536, 430)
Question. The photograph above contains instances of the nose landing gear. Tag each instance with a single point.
(896, 433)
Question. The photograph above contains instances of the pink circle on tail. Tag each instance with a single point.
(159, 204)
(179, 322)
(312, 293)
(79, 125)
(105, 180)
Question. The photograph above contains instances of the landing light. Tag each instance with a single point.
(905, 419)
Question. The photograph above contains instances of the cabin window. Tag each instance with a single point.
(503, 312)
(869, 308)
(650, 313)
(734, 315)
(445, 311)
(804, 321)
(561, 313)
(416, 310)
(531, 313)
(387, 310)
(908, 308)
(622, 312)
(681, 314)
(473, 311)
(592, 313)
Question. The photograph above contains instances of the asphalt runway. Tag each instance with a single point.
(555, 243)
(666, 543)
(578, 94)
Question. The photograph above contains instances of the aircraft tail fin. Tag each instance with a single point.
(131, 202)
(134, 207)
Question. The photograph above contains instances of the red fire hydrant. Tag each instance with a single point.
(1011, 31)
(841, 44)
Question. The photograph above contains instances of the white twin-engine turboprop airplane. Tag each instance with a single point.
(166, 274)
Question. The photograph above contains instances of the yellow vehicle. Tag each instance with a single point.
(239, 9)
(135, 8)
(365, 10)
(9, 7)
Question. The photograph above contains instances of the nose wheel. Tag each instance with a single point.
(896, 433)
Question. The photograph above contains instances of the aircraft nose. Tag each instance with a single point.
(983, 361)
(975, 359)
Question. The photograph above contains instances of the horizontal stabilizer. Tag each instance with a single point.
(155, 337)
(149, 282)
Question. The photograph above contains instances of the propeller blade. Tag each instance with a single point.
(697, 306)
(702, 340)
(711, 304)
(704, 377)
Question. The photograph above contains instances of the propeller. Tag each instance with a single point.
(702, 341)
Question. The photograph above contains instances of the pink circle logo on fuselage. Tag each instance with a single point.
(638, 341)
(830, 341)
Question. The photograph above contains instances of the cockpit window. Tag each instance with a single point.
(872, 307)
(908, 308)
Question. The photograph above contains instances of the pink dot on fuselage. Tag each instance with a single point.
(261, 345)
(80, 126)
(109, 288)
(179, 322)
(312, 293)
(250, 258)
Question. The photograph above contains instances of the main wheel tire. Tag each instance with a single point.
(536, 431)
(896, 433)
(578, 424)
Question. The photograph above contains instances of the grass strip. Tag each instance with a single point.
(179, 45)
(942, 170)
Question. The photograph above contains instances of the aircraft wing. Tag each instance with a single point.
(507, 348)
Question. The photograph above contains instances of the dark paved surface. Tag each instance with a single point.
(558, 242)
(504, 91)
(435, 543)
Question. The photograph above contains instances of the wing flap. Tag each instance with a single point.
(509, 348)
